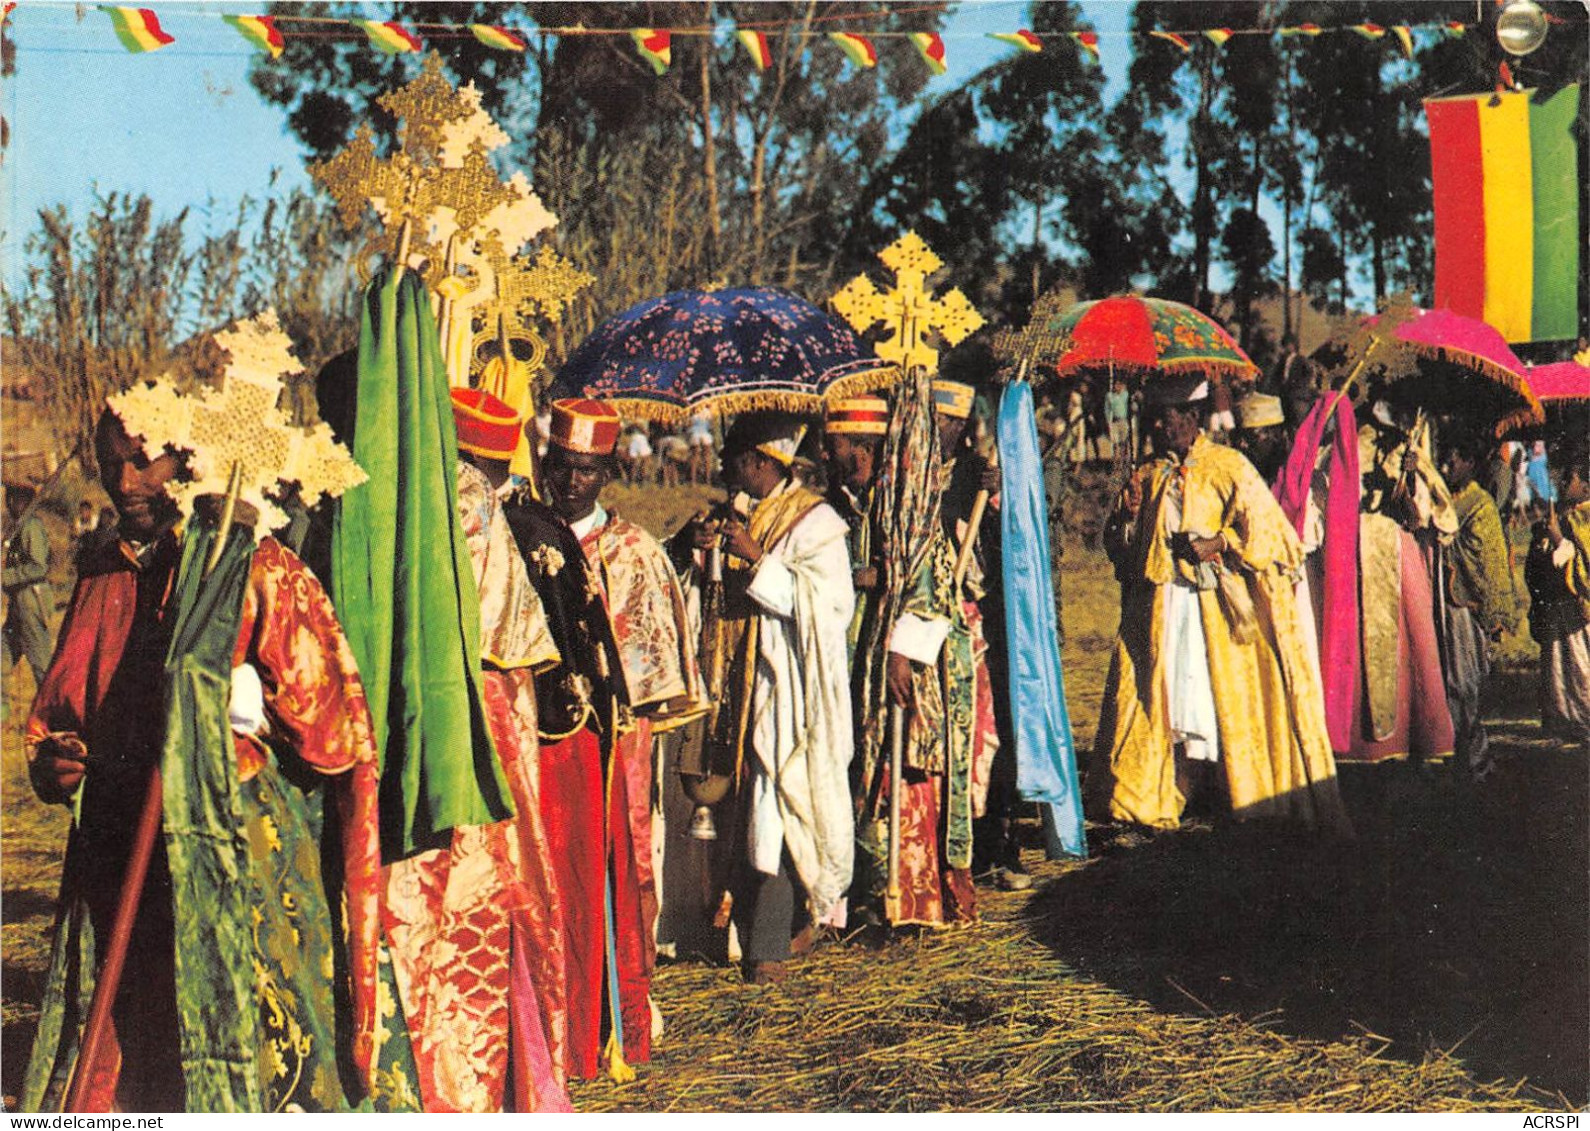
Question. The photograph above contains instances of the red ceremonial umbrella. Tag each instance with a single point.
(1131, 333)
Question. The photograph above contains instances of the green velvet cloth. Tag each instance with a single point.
(402, 583)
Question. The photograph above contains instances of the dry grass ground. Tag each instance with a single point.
(1437, 964)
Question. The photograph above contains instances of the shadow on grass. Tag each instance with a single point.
(1457, 920)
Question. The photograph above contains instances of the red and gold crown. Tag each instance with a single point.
(486, 425)
(859, 416)
(585, 426)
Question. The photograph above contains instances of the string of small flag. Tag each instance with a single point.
(139, 31)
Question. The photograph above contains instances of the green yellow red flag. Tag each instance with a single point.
(1505, 177)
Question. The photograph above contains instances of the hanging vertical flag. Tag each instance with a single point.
(857, 49)
(755, 44)
(1218, 35)
(1404, 36)
(655, 46)
(1504, 173)
(1369, 31)
(1088, 41)
(497, 38)
(930, 45)
(1172, 37)
(261, 31)
(388, 38)
(137, 28)
(1310, 30)
(1023, 39)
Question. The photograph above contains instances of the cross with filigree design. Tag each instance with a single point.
(237, 436)
(441, 163)
(1035, 342)
(544, 285)
(909, 310)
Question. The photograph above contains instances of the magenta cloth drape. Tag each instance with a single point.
(1338, 636)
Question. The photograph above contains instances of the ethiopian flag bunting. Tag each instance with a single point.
(1088, 41)
(1369, 31)
(137, 28)
(1023, 39)
(1505, 173)
(1405, 37)
(655, 46)
(261, 31)
(931, 47)
(858, 49)
(388, 38)
(1172, 37)
(1219, 35)
(1310, 30)
(497, 38)
(755, 44)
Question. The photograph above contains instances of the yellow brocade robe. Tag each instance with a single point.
(1268, 701)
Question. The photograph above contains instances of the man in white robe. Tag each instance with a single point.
(788, 695)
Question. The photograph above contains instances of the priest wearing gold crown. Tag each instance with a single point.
(651, 625)
(228, 1002)
(1210, 685)
(786, 712)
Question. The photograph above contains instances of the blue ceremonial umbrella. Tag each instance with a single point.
(726, 351)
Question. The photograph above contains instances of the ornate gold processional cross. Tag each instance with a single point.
(1036, 342)
(236, 434)
(441, 168)
(908, 311)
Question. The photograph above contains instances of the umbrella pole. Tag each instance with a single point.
(108, 983)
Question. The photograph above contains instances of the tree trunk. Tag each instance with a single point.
(1203, 202)
(709, 152)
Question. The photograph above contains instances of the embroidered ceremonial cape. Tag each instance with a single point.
(105, 686)
(1270, 707)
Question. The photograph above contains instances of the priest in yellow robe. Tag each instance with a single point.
(1210, 680)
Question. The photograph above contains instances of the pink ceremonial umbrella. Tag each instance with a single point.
(1467, 369)
(1560, 382)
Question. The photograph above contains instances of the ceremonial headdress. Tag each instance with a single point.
(953, 398)
(774, 434)
(1176, 389)
(486, 425)
(1260, 410)
(583, 425)
(859, 416)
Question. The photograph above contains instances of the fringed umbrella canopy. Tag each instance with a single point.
(1468, 368)
(1562, 382)
(727, 351)
(1134, 334)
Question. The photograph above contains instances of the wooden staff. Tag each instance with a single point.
(108, 983)
(891, 897)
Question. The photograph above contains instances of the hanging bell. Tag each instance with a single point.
(702, 826)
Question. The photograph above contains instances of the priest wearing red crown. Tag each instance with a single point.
(651, 625)
(578, 707)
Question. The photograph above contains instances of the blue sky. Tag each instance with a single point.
(183, 125)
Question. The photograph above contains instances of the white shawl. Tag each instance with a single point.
(801, 725)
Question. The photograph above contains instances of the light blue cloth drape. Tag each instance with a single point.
(1046, 764)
